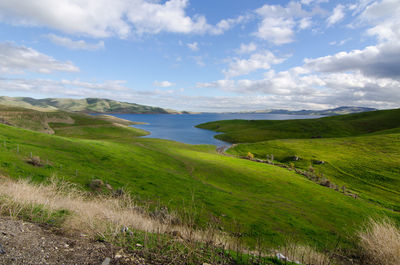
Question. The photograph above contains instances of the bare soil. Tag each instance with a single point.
(27, 243)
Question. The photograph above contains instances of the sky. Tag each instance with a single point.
(204, 55)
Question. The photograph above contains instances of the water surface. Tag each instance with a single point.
(182, 128)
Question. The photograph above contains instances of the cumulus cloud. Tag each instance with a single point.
(337, 15)
(384, 19)
(278, 22)
(378, 61)
(193, 46)
(100, 18)
(261, 60)
(18, 59)
(75, 45)
(301, 87)
(163, 84)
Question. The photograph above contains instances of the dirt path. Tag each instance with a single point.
(27, 243)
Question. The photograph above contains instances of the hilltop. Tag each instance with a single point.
(87, 105)
(250, 131)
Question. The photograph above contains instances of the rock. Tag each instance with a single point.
(280, 256)
(2, 251)
(106, 261)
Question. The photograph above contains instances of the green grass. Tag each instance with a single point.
(368, 165)
(268, 202)
(250, 131)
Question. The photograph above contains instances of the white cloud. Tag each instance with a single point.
(261, 60)
(18, 59)
(305, 23)
(193, 46)
(337, 15)
(379, 61)
(278, 22)
(384, 18)
(163, 84)
(75, 45)
(99, 18)
(300, 88)
(247, 48)
(227, 24)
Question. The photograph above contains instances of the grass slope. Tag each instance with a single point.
(368, 165)
(88, 105)
(250, 131)
(269, 202)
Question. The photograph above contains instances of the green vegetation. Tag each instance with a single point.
(363, 158)
(87, 105)
(366, 165)
(250, 131)
(259, 200)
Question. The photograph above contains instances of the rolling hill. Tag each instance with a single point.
(357, 151)
(249, 131)
(87, 105)
(258, 200)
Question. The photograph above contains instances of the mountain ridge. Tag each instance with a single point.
(86, 105)
(328, 112)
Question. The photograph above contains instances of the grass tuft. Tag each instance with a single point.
(380, 242)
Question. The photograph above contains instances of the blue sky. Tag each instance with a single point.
(204, 55)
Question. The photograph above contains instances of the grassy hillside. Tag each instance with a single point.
(250, 131)
(367, 165)
(67, 122)
(87, 105)
(268, 202)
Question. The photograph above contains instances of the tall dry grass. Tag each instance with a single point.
(380, 242)
(305, 254)
(95, 216)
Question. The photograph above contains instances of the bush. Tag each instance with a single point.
(380, 242)
(250, 156)
(35, 161)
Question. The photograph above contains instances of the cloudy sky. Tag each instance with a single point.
(204, 55)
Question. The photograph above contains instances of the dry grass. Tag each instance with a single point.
(95, 216)
(380, 242)
(305, 255)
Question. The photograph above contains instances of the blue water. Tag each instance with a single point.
(181, 127)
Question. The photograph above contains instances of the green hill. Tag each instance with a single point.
(46, 122)
(250, 131)
(358, 151)
(256, 200)
(87, 105)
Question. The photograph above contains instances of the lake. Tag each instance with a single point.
(182, 128)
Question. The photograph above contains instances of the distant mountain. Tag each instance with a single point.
(87, 105)
(327, 112)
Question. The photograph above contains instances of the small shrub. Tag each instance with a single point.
(380, 242)
(96, 184)
(250, 156)
(325, 182)
(35, 161)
